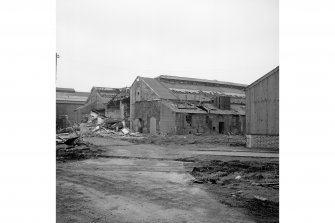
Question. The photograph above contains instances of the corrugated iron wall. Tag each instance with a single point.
(262, 107)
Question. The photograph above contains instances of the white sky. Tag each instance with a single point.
(107, 43)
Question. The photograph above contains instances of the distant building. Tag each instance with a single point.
(67, 100)
(178, 105)
(262, 111)
(109, 102)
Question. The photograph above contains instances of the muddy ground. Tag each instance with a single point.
(115, 180)
(249, 184)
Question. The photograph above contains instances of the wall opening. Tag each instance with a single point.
(188, 119)
(140, 125)
(221, 127)
(153, 125)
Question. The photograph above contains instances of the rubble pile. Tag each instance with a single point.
(96, 124)
(69, 146)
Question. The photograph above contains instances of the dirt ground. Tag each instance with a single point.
(141, 181)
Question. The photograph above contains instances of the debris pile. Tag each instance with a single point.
(244, 184)
(97, 124)
(69, 146)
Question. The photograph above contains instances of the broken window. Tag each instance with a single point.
(207, 119)
(188, 119)
(235, 120)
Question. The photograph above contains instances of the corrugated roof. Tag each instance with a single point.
(210, 108)
(158, 88)
(207, 91)
(106, 93)
(265, 76)
(72, 97)
(68, 90)
(239, 109)
(176, 108)
(200, 80)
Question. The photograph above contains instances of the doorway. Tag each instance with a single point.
(153, 125)
(221, 127)
(140, 125)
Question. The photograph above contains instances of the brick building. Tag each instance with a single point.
(67, 100)
(262, 111)
(110, 102)
(178, 105)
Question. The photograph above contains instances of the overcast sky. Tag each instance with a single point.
(107, 43)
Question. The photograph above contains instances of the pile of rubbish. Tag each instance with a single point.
(96, 124)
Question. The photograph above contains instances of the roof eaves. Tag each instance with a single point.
(263, 77)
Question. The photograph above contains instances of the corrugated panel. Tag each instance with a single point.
(206, 90)
(200, 80)
(61, 96)
(237, 110)
(158, 88)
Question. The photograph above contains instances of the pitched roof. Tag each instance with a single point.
(158, 88)
(206, 92)
(78, 97)
(106, 93)
(68, 90)
(200, 80)
(187, 91)
(275, 70)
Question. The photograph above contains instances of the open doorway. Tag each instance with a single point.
(221, 127)
(140, 125)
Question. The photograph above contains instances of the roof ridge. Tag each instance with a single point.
(202, 80)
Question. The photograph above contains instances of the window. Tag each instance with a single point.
(188, 119)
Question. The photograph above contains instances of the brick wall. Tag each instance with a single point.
(66, 109)
(139, 92)
(262, 141)
(167, 120)
(144, 110)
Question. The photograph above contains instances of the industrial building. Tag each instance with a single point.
(262, 111)
(112, 103)
(67, 100)
(179, 105)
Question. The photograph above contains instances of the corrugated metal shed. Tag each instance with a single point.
(262, 103)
